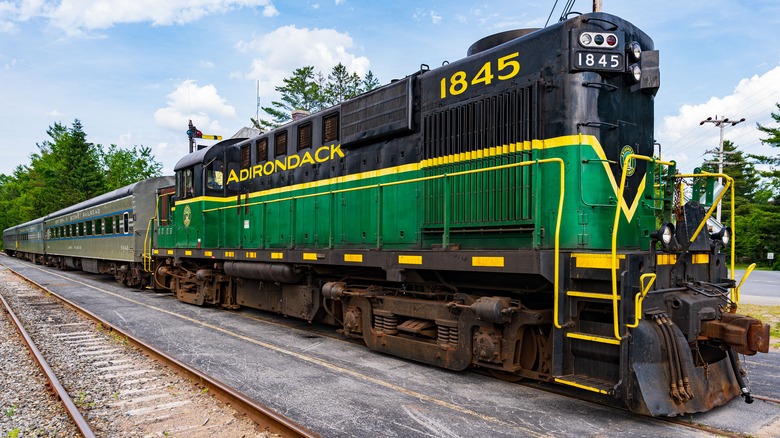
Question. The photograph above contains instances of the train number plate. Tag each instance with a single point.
(599, 61)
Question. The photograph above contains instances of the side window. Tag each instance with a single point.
(330, 128)
(89, 227)
(245, 156)
(280, 144)
(304, 136)
(98, 227)
(186, 183)
(126, 223)
(81, 229)
(109, 225)
(262, 150)
(215, 174)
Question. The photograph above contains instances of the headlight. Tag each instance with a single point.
(723, 236)
(635, 50)
(665, 234)
(636, 72)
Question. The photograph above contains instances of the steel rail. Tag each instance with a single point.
(54, 383)
(259, 413)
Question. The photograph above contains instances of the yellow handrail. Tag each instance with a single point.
(735, 297)
(614, 266)
(729, 185)
(641, 297)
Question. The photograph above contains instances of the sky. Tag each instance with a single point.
(134, 72)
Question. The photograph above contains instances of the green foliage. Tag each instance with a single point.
(757, 227)
(773, 174)
(126, 166)
(311, 92)
(66, 170)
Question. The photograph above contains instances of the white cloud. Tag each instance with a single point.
(76, 16)
(54, 113)
(684, 140)
(192, 102)
(280, 52)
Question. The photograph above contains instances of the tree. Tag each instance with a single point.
(773, 174)
(312, 92)
(299, 92)
(735, 165)
(126, 166)
(67, 170)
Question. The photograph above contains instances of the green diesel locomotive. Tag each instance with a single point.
(503, 211)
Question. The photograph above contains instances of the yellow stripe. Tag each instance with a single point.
(354, 258)
(593, 338)
(496, 262)
(251, 255)
(410, 260)
(309, 256)
(563, 141)
(207, 253)
(595, 261)
(188, 253)
(577, 385)
(700, 259)
(277, 255)
(593, 295)
(666, 259)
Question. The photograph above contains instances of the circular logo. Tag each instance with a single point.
(187, 215)
(631, 165)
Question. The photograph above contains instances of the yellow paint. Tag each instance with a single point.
(156, 251)
(277, 255)
(309, 256)
(564, 141)
(495, 262)
(595, 261)
(577, 385)
(251, 255)
(700, 259)
(410, 260)
(353, 258)
(592, 295)
(666, 259)
(230, 254)
(170, 252)
(207, 253)
(593, 338)
(188, 252)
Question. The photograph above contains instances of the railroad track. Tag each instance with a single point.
(114, 385)
(411, 393)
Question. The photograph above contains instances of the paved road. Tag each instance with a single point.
(761, 287)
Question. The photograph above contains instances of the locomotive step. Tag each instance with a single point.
(593, 338)
(587, 383)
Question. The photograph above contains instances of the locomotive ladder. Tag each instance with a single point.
(612, 263)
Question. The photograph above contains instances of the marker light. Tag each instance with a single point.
(611, 40)
(664, 234)
(636, 72)
(723, 235)
(599, 39)
(586, 39)
(635, 50)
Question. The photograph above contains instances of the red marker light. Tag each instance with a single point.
(611, 40)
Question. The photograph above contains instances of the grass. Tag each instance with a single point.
(768, 315)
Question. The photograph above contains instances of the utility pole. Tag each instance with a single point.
(596, 5)
(721, 123)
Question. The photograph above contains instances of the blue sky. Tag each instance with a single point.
(135, 71)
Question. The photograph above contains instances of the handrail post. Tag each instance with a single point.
(445, 239)
(379, 216)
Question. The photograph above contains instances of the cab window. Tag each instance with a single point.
(215, 175)
(186, 183)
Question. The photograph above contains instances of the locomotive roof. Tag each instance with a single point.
(105, 197)
(201, 155)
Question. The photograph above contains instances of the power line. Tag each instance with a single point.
(721, 123)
